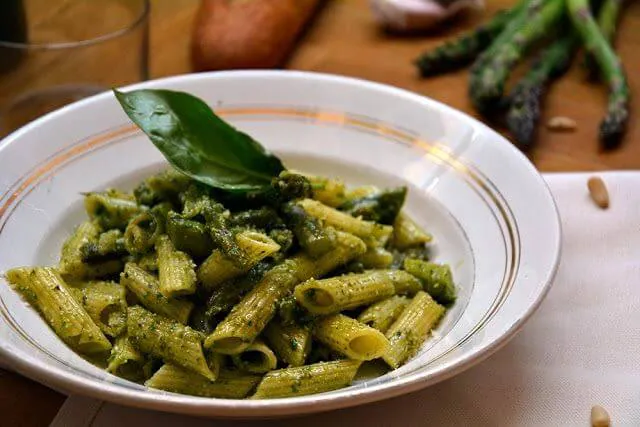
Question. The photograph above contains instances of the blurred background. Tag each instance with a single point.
(56, 52)
(125, 41)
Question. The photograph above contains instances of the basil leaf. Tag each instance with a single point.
(199, 143)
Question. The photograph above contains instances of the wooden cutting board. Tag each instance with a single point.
(344, 39)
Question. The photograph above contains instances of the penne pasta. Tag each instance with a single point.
(315, 239)
(411, 328)
(373, 234)
(331, 192)
(340, 293)
(218, 268)
(376, 258)
(72, 257)
(176, 270)
(251, 315)
(167, 340)
(106, 304)
(291, 343)
(299, 381)
(111, 212)
(142, 232)
(126, 361)
(228, 385)
(44, 289)
(382, 314)
(406, 233)
(257, 358)
(219, 287)
(147, 289)
(350, 337)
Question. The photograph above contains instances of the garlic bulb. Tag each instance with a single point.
(411, 15)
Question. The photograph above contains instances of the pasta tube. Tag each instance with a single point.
(373, 234)
(376, 258)
(251, 315)
(410, 330)
(291, 343)
(45, 290)
(111, 212)
(168, 340)
(407, 233)
(382, 314)
(142, 232)
(362, 191)
(148, 262)
(350, 337)
(147, 289)
(72, 263)
(228, 385)
(228, 294)
(315, 239)
(105, 303)
(175, 270)
(218, 268)
(336, 294)
(215, 362)
(331, 192)
(126, 361)
(257, 358)
(299, 381)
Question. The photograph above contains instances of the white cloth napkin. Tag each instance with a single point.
(581, 348)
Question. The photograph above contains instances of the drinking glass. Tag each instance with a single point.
(53, 52)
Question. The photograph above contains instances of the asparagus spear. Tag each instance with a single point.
(459, 52)
(614, 124)
(524, 110)
(607, 20)
(491, 70)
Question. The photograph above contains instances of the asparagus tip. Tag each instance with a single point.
(612, 131)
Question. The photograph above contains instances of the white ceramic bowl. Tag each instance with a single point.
(493, 218)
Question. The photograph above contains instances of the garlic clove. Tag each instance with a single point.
(411, 15)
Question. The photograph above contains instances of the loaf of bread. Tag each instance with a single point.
(237, 34)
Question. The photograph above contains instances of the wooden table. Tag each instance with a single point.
(344, 39)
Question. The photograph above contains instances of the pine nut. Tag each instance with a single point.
(562, 124)
(598, 192)
(599, 417)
